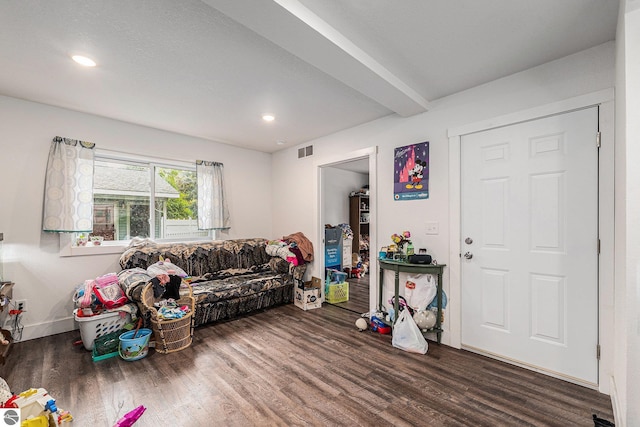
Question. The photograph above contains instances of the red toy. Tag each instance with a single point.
(379, 326)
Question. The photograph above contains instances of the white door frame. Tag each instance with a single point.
(371, 154)
(604, 99)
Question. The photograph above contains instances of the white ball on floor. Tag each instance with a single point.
(361, 324)
(425, 319)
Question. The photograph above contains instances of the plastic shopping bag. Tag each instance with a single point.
(165, 266)
(420, 290)
(407, 336)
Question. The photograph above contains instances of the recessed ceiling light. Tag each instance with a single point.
(83, 60)
(268, 117)
(280, 142)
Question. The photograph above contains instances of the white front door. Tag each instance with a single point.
(529, 244)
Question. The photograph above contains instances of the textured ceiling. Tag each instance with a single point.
(211, 68)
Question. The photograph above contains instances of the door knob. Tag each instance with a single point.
(468, 255)
(468, 240)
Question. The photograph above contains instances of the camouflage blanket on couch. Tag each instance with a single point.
(228, 278)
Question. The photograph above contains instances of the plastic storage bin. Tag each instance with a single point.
(101, 324)
(337, 292)
(106, 346)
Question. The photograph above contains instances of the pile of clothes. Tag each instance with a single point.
(295, 248)
(347, 232)
(101, 294)
(111, 291)
(169, 309)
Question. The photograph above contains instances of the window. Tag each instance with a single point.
(123, 194)
(121, 199)
(124, 191)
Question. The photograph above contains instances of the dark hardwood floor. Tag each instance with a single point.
(358, 295)
(288, 367)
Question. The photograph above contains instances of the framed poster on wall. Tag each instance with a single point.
(411, 172)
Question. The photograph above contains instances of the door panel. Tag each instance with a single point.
(548, 308)
(495, 297)
(530, 205)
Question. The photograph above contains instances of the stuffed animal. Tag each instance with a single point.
(361, 324)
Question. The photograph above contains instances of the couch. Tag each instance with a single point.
(228, 277)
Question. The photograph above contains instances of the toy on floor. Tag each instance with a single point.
(130, 417)
(38, 408)
(379, 326)
(359, 268)
(361, 324)
(425, 319)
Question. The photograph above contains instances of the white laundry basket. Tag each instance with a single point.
(101, 324)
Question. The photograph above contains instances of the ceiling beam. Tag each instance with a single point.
(298, 30)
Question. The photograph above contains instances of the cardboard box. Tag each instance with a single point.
(315, 282)
(333, 247)
(310, 296)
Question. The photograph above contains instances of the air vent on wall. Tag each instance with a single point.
(305, 151)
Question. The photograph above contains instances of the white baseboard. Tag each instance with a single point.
(39, 330)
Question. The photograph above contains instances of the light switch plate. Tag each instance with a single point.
(432, 228)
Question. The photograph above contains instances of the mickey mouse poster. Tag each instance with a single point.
(411, 172)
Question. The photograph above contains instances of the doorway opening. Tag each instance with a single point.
(346, 228)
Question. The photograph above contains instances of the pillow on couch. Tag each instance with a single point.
(165, 267)
(132, 281)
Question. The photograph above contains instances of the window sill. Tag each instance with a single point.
(68, 250)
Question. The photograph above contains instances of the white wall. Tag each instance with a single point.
(619, 380)
(31, 257)
(627, 320)
(632, 61)
(338, 184)
(583, 73)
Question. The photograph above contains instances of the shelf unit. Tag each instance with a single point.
(359, 215)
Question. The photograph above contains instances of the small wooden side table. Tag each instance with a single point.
(399, 266)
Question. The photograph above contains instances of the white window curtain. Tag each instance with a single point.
(68, 190)
(213, 213)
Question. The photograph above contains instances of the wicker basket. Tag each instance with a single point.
(171, 334)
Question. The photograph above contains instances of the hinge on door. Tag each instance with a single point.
(598, 246)
(598, 139)
(598, 352)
